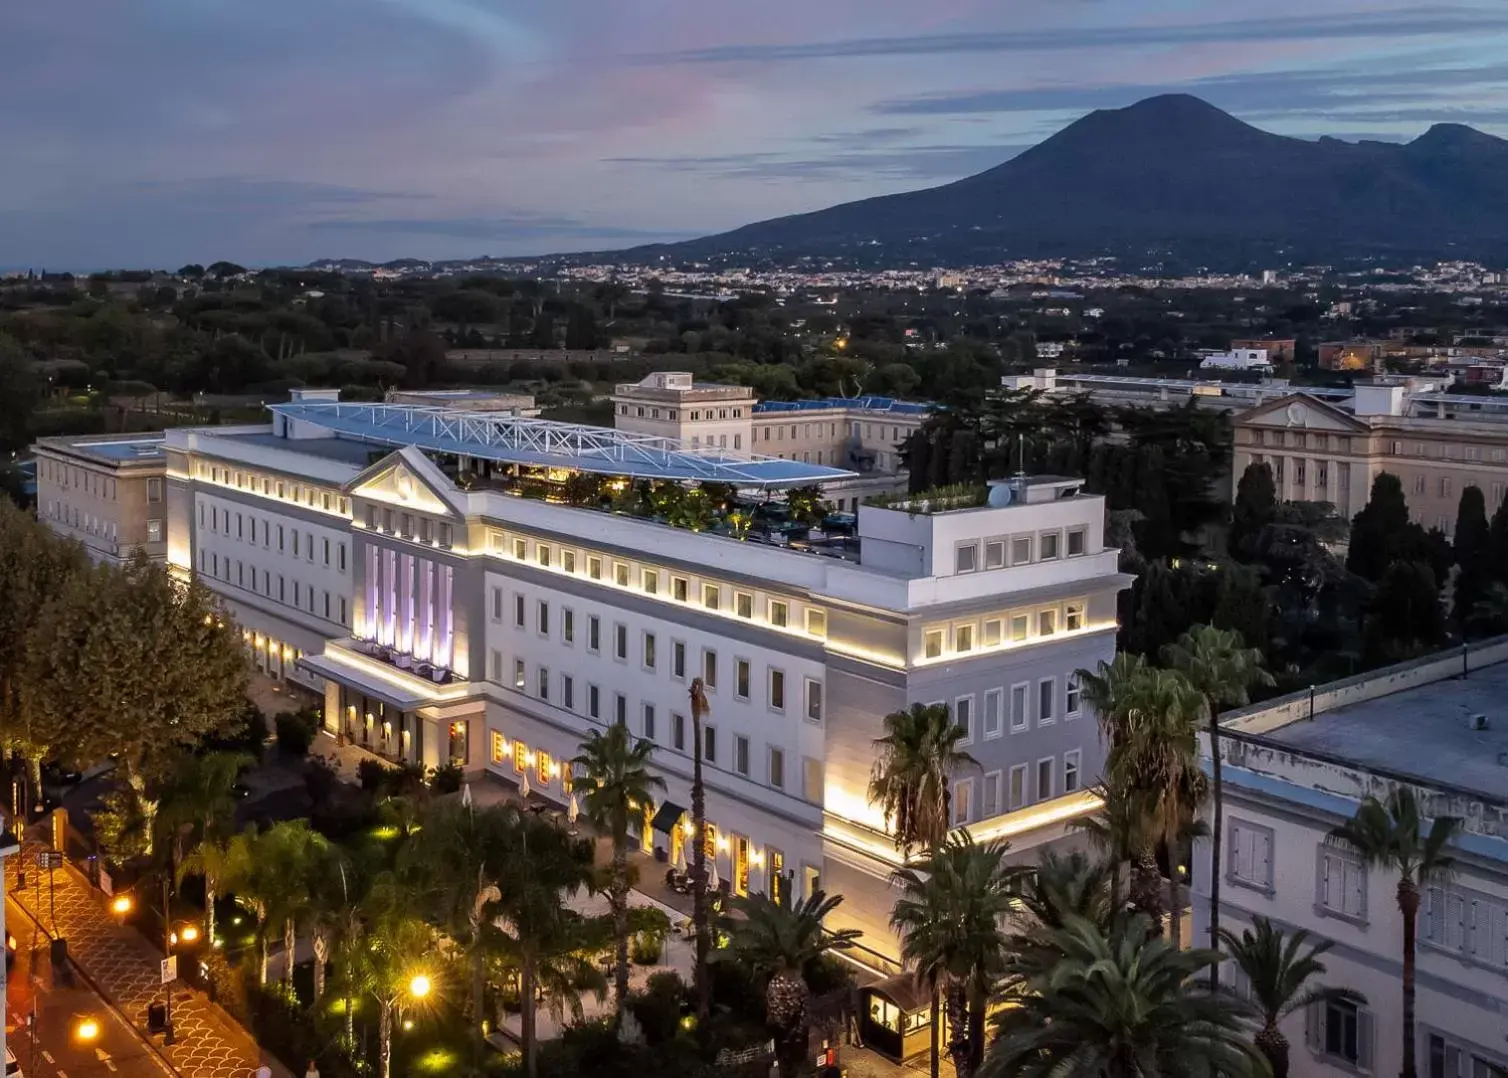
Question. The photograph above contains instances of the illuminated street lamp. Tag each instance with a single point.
(121, 905)
(419, 986)
(86, 1030)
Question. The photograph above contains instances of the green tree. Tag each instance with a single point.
(396, 951)
(1279, 971)
(615, 786)
(954, 903)
(1223, 670)
(1404, 617)
(1473, 554)
(701, 914)
(1255, 508)
(1120, 1004)
(198, 807)
(1393, 837)
(781, 944)
(1382, 532)
(912, 775)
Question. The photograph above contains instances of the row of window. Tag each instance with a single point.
(646, 721)
(1017, 705)
(245, 528)
(1294, 439)
(1016, 627)
(260, 581)
(328, 501)
(100, 486)
(650, 580)
(1303, 471)
(1000, 551)
(697, 414)
(411, 526)
(70, 516)
(1000, 792)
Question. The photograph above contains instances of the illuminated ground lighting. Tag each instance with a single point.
(86, 1030)
(435, 1061)
(121, 905)
(190, 933)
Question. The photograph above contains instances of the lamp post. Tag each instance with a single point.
(167, 955)
(9, 844)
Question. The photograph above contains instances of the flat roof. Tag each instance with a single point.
(543, 443)
(122, 449)
(1422, 731)
(863, 404)
(342, 450)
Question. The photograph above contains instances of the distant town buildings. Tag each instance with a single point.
(1249, 360)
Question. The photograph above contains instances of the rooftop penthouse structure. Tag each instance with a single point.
(481, 589)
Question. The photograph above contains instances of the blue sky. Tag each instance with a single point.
(155, 132)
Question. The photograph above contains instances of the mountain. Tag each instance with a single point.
(1169, 175)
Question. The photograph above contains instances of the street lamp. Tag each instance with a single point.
(419, 986)
(86, 1030)
(121, 905)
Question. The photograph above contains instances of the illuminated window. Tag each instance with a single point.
(1073, 617)
(568, 560)
(520, 751)
(620, 574)
(1047, 622)
(963, 638)
(520, 549)
(594, 568)
(711, 596)
(649, 579)
(816, 622)
(545, 766)
(743, 604)
(498, 747)
(779, 613)
(933, 643)
(543, 554)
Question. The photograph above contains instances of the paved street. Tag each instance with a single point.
(49, 1047)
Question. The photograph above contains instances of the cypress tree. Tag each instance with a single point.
(1381, 530)
(1255, 507)
(1473, 555)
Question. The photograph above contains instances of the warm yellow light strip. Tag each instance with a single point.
(1058, 810)
(1017, 645)
(407, 682)
(207, 481)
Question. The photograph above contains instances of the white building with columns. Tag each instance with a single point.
(426, 570)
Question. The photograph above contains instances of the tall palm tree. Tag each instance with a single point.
(199, 799)
(1392, 837)
(1117, 830)
(215, 859)
(1067, 885)
(1120, 1004)
(396, 947)
(1109, 689)
(911, 778)
(270, 871)
(951, 917)
(1218, 663)
(700, 914)
(1278, 974)
(615, 786)
(781, 943)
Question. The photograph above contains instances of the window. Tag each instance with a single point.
(1469, 924)
(966, 557)
(568, 625)
(932, 643)
(648, 720)
(649, 580)
(1018, 787)
(518, 674)
(1046, 691)
(992, 633)
(678, 659)
(620, 641)
(1047, 549)
(1078, 541)
(568, 560)
(521, 549)
(741, 754)
(963, 802)
(1021, 549)
(1020, 625)
(1341, 883)
(542, 681)
(1073, 617)
(811, 779)
(649, 651)
(1020, 719)
(620, 709)
(1341, 1030)
(1445, 486)
(496, 744)
(994, 704)
(1071, 771)
(1044, 779)
(1071, 695)
(1047, 621)
(679, 588)
(620, 574)
(544, 618)
(1248, 857)
(593, 633)
(777, 768)
(520, 756)
(963, 716)
(711, 596)
(816, 622)
(154, 490)
(709, 743)
(989, 796)
(567, 692)
(709, 668)
(1450, 1060)
(963, 637)
(594, 568)
(813, 700)
(743, 604)
(741, 678)
(678, 731)
(518, 611)
(779, 613)
(593, 701)
(154, 531)
(994, 553)
(777, 690)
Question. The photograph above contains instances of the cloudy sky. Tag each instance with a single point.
(154, 132)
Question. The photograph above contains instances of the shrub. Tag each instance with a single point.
(372, 774)
(296, 730)
(660, 1006)
(446, 780)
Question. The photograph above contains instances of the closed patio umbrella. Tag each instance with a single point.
(523, 786)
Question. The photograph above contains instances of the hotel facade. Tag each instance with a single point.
(383, 555)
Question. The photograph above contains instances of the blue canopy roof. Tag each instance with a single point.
(866, 404)
(542, 443)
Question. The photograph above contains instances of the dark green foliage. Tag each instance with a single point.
(1473, 556)
(1254, 508)
(296, 730)
(446, 779)
(661, 1005)
(1382, 533)
(1404, 617)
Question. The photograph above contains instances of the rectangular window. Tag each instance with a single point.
(1047, 621)
(520, 756)
(966, 558)
(679, 588)
(1078, 541)
(963, 716)
(994, 553)
(1341, 883)
(543, 554)
(648, 720)
(154, 531)
(518, 674)
(741, 754)
(518, 611)
(568, 625)
(594, 568)
(1071, 771)
(711, 596)
(1021, 549)
(1044, 779)
(1248, 856)
(496, 744)
(741, 679)
(994, 706)
(620, 574)
(777, 690)
(932, 643)
(544, 618)
(1341, 1030)
(811, 779)
(649, 651)
(709, 743)
(963, 638)
(568, 692)
(620, 641)
(779, 613)
(709, 668)
(777, 768)
(520, 549)
(568, 560)
(1046, 691)
(542, 682)
(678, 732)
(813, 700)
(649, 580)
(1020, 717)
(678, 659)
(743, 604)
(1020, 626)
(963, 802)
(992, 632)
(594, 701)
(816, 622)
(1071, 695)
(620, 709)
(593, 633)
(1018, 787)
(990, 796)
(1073, 617)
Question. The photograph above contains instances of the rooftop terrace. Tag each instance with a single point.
(117, 450)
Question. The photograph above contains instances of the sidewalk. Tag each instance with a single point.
(125, 970)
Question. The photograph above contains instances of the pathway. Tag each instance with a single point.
(125, 969)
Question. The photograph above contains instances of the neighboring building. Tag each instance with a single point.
(467, 400)
(105, 491)
(1351, 356)
(381, 552)
(1114, 390)
(863, 435)
(1238, 359)
(1296, 767)
(1331, 451)
(1278, 349)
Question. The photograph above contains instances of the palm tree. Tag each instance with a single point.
(1117, 830)
(1392, 837)
(216, 860)
(782, 943)
(1120, 1004)
(1278, 973)
(1067, 885)
(911, 778)
(199, 799)
(1218, 663)
(615, 786)
(396, 949)
(700, 918)
(1110, 688)
(950, 915)
(270, 871)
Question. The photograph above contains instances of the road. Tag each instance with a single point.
(52, 1048)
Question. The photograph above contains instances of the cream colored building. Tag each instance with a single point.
(106, 492)
(701, 415)
(1322, 451)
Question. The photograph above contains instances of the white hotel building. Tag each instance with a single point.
(381, 553)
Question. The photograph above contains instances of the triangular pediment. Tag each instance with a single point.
(410, 479)
(1300, 411)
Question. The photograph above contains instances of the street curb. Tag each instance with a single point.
(94, 986)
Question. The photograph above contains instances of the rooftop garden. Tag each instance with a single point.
(937, 500)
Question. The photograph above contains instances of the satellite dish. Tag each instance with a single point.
(1001, 495)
